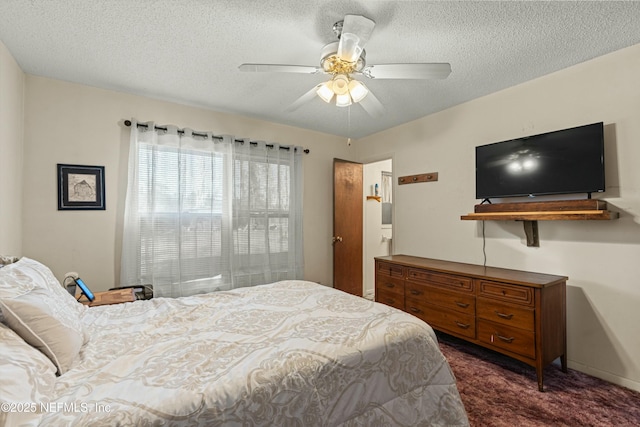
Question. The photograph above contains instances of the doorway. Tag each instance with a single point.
(377, 219)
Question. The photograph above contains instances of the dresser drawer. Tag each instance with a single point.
(443, 319)
(438, 279)
(458, 301)
(391, 270)
(390, 284)
(514, 315)
(390, 298)
(507, 338)
(505, 292)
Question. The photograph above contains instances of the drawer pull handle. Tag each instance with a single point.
(505, 339)
(504, 316)
(415, 310)
(389, 285)
(462, 325)
(416, 292)
(389, 301)
(462, 304)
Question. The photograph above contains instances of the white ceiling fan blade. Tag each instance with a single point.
(356, 31)
(303, 99)
(372, 105)
(279, 68)
(408, 71)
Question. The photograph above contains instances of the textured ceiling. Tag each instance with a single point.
(188, 51)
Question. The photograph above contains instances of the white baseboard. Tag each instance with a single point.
(607, 376)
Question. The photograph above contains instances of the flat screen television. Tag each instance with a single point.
(562, 162)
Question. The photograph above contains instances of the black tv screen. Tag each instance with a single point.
(561, 162)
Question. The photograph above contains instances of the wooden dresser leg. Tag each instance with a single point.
(563, 363)
(540, 375)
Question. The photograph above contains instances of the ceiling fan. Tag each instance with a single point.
(344, 60)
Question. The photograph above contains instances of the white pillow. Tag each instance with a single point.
(28, 377)
(26, 274)
(16, 280)
(39, 318)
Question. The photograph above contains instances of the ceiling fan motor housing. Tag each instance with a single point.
(331, 63)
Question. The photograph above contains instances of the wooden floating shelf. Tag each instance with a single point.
(542, 216)
(532, 212)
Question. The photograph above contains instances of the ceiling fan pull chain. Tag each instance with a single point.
(349, 126)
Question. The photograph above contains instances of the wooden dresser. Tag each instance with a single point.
(517, 313)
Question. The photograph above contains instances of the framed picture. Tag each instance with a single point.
(80, 187)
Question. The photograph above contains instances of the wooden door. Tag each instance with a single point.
(347, 226)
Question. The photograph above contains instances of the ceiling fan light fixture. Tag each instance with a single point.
(357, 90)
(343, 100)
(325, 92)
(340, 84)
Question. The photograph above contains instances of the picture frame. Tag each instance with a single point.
(80, 187)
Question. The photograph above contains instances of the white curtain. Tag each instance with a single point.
(207, 213)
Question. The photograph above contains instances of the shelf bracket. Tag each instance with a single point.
(531, 231)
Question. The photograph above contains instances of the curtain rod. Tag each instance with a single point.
(180, 131)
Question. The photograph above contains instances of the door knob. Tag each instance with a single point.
(336, 239)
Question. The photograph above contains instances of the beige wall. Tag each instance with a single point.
(11, 122)
(75, 124)
(601, 258)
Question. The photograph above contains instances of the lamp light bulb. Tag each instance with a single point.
(343, 100)
(340, 84)
(325, 92)
(357, 90)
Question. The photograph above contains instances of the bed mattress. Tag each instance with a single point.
(292, 353)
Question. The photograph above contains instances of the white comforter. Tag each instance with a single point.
(292, 353)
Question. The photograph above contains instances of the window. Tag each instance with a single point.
(205, 215)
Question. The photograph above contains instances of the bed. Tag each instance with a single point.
(291, 353)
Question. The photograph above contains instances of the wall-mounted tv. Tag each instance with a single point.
(561, 162)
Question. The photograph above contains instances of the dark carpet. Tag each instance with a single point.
(499, 391)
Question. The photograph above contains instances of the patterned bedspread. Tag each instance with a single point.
(292, 353)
